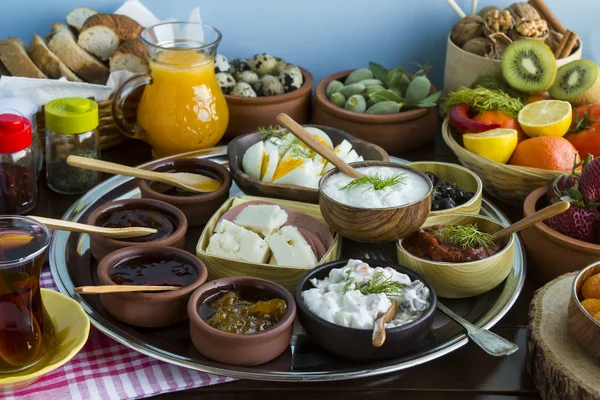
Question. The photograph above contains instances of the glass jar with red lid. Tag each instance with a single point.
(18, 189)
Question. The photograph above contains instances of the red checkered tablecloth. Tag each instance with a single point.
(105, 369)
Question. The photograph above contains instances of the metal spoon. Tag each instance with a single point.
(378, 337)
(114, 233)
(182, 180)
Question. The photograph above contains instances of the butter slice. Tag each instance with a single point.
(232, 241)
(290, 248)
(262, 219)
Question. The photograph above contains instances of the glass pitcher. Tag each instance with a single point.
(26, 330)
(182, 107)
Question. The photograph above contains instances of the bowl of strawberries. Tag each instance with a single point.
(569, 241)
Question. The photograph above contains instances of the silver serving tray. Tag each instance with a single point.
(72, 265)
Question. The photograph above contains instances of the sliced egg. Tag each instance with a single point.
(351, 157)
(269, 165)
(272, 144)
(253, 160)
(320, 136)
(296, 171)
(342, 149)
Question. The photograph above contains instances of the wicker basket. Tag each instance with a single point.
(110, 134)
(508, 183)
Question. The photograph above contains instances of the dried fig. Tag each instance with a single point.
(477, 46)
(523, 11)
(466, 29)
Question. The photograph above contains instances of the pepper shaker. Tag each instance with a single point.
(18, 186)
(71, 130)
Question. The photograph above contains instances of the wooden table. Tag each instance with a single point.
(465, 374)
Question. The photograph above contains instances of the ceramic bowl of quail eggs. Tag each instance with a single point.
(258, 88)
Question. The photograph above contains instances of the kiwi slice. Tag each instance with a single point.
(577, 82)
(528, 65)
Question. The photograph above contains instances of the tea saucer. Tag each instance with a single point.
(72, 327)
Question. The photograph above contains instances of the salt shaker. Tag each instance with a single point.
(71, 130)
(18, 186)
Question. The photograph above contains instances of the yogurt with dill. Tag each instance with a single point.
(338, 298)
(412, 188)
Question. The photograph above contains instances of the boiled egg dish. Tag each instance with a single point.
(283, 159)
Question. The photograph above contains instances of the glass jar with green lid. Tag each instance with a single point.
(71, 130)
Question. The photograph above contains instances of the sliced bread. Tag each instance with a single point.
(47, 61)
(77, 17)
(131, 56)
(13, 55)
(101, 34)
(62, 43)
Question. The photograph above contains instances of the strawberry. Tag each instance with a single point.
(578, 223)
(589, 183)
(560, 185)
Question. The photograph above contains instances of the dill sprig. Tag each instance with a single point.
(482, 99)
(465, 236)
(276, 133)
(376, 181)
(379, 283)
(271, 132)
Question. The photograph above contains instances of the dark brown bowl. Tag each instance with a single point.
(238, 146)
(197, 208)
(551, 253)
(148, 310)
(375, 225)
(246, 114)
(100, 246)
(237, 349)
(397, 133)
(584, 328)
(355, 343)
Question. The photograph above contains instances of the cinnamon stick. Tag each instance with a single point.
(548, 15)
(570, 45)
(561, 45)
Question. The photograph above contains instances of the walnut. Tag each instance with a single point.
(499, 21)
(553, 40)
(466, 29)
(485, 10)
(523, 11)
(498, 44)
(479, 46)
(532, 29)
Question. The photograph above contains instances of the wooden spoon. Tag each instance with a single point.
(122, 289)
(379, 326)
(541, 215)
(317, 146)
(114, 233)
(183, 180)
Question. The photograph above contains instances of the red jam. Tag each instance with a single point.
(141, 218)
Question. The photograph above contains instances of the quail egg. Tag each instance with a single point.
(262, 63)
(243, 89)
(238, 65)
(250, 77)
(222, 65)
(268, 85)
(226, 82)
(291, 78)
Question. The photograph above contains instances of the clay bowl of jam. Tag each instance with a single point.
(456, 268)
(197, 207)
(169, 221)
(150, 265)
(241, 320)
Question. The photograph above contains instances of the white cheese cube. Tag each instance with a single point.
(262, 219)
(290, 248)
(233, 241)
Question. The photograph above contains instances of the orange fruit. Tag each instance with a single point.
(545, 152)
(592, 306)
(534, 98)
(591, 287)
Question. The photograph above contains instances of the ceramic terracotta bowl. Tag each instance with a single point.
(238, 349)
(246, 114)
(551, 253)
(197, 208)
(100, 246)
(375, 225)
(584, 328)
(356, 344)
(397, 133)
(238, 147)
(149, 310)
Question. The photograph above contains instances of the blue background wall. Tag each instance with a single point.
(323, 36)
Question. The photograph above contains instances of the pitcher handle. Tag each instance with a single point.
(128, 87)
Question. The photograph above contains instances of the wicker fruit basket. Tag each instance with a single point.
(508, 183)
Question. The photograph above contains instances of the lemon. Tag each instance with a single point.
(546, 118)
(496, 145)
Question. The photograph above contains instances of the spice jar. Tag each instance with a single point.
(18, 187)
(71, 130)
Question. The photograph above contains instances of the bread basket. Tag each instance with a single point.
(508, 183)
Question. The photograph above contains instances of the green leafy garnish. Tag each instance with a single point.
(465, 236)
(275, 134)
(271, 132)
(379, 283)
(482, 99)
(376, 181)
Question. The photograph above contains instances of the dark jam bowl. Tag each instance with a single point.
(241, 349)
(100, 246)
(356, 344)
(149, 309)
(197, 207)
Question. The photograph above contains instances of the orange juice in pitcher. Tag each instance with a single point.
(182, 107)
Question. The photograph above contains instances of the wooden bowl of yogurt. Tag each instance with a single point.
(366, 214)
